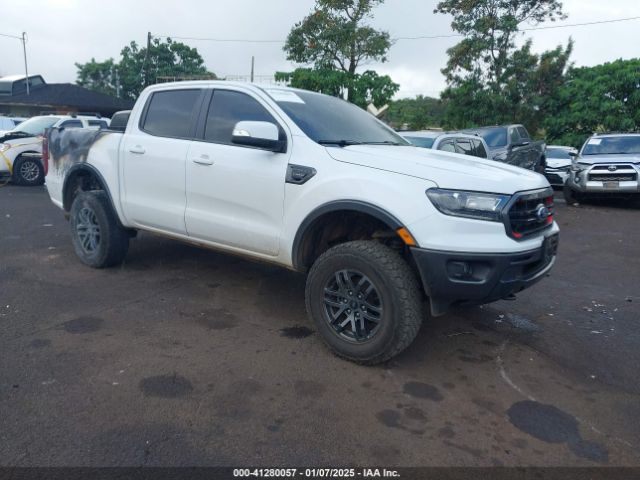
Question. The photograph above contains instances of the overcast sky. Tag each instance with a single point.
(62, 32)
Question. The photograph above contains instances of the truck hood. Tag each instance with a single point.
(447, 170)
(621, 158)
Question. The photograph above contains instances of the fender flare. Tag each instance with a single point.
(85, 167)
(334, 206)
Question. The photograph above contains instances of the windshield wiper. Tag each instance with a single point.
(385, 142)
(340, 143)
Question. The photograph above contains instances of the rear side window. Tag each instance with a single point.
(98, 123)
(480, 151)
(71, 124)
(228, 108)
(169, 113)
(464, 146)
(447, 146)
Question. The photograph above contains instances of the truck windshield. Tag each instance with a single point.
(612, 145)
(35, 126)
(495, 136)
(330, 120)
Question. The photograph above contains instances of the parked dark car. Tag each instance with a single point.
(512, 144)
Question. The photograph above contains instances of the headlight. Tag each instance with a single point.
(481, 206)
(4, 147)
(578, 167)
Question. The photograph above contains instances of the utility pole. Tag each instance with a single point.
(117, 83)
(26, 70)
(146, 60)
(253, 61)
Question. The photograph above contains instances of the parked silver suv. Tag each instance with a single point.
(608, 165)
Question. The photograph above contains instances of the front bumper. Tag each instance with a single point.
(459, 278)
(556, 176)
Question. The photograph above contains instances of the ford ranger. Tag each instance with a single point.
(315, 184)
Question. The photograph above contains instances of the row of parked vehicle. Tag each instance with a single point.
(607, 164)
(21, 145)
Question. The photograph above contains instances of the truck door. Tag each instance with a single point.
(517, 156)
(531, 152)
(154, 157)
(235, 194)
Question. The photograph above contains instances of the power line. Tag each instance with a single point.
(419, 37)
(10, 36)
(548, 27)
(234, 40)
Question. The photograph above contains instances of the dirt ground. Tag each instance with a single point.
(190, 357)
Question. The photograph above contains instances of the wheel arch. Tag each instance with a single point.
(84, 177)
(300, 249)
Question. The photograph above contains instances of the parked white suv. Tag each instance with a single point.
(20, 148)
(314, 184)
(463, 143)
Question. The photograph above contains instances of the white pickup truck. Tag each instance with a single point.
(315, 184)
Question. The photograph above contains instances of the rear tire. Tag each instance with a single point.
(28, 172)
(98, 238)
(365, 301)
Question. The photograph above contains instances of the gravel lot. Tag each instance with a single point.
(189, 357)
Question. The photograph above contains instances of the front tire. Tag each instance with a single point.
(28, 172)
(365, 301)
(98, 238)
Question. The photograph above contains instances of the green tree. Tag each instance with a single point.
(98, 76)
(490, 28)
(489, 79)
(138, 68)
(365, 88)
(596, 99)
(415, 113)
(335, 36)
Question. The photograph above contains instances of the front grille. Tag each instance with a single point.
(624, 177)
(527, 214)
(607, 166)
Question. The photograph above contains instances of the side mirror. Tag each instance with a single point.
(573, 155)
(263, 135)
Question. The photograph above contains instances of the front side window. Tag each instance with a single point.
(228, 108)
(524, 135)
(515, 136)
(169, 113)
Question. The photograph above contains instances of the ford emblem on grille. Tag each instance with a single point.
(543, 212)
(612, 168)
